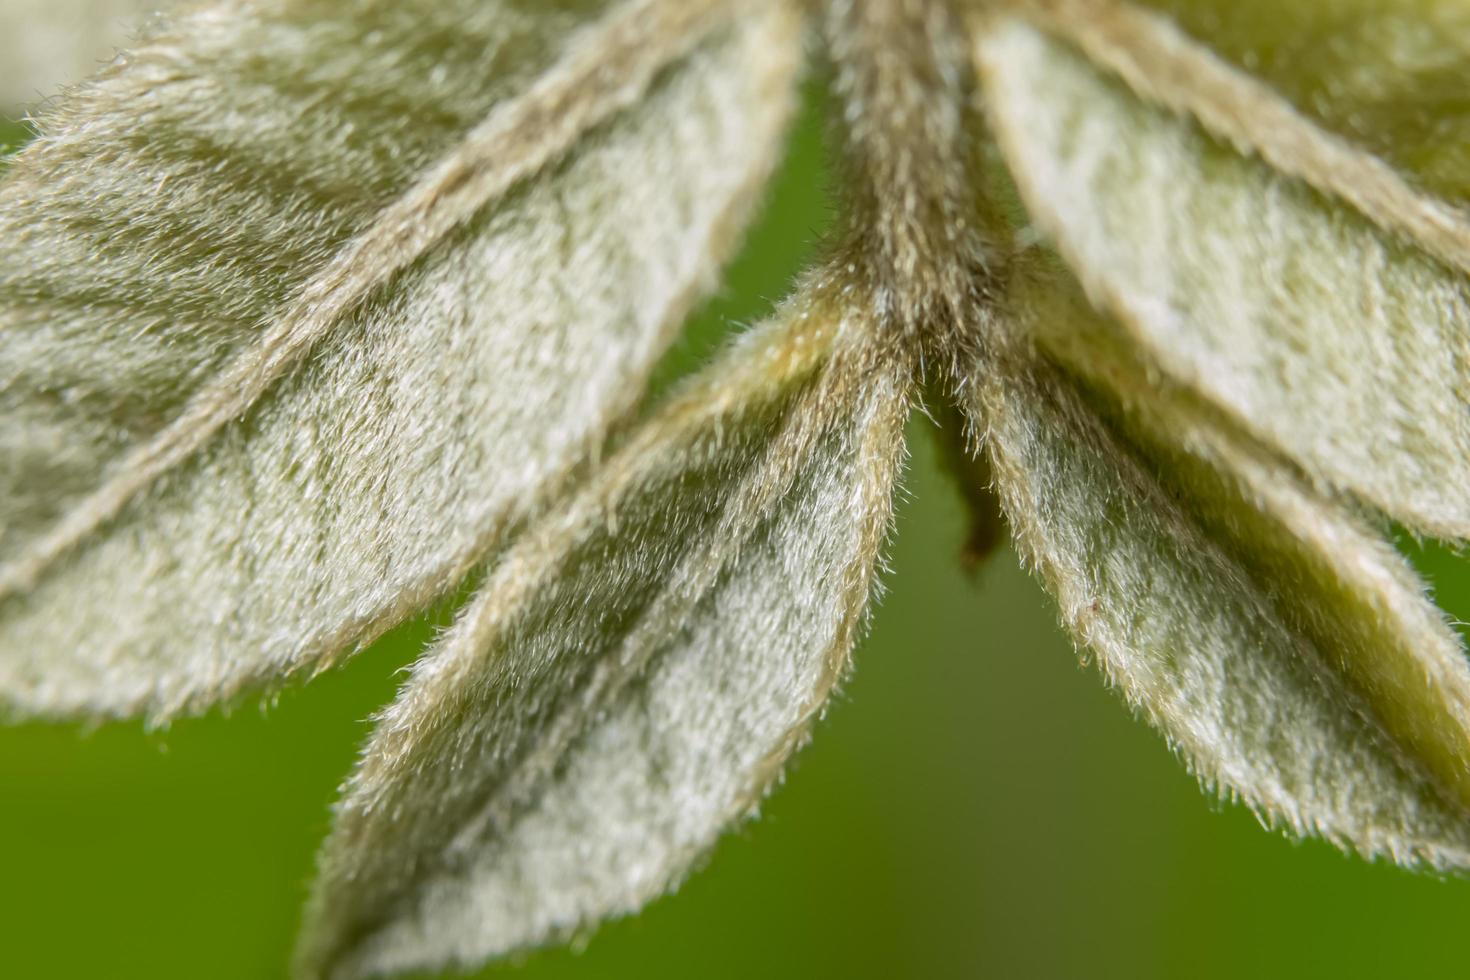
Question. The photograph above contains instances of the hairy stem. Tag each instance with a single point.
(919, 229)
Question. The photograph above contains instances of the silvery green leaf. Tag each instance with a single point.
(303, 306)
(1303, 272)
(45, 44)
(1386, 77)
(1283, 646)
(634, 673)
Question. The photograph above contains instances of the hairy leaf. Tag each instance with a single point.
(1386, 76)
(1311, 292)
(633, 675)
(1285, 648)
(47, 43)
(303, 306)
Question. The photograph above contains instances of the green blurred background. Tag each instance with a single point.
(976, 804)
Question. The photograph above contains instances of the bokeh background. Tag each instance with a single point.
(976, 803)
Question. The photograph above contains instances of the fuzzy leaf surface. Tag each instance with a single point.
(1310, 289)
(633, 675)
(1282, 646)
(304, 305)
(1387, 76)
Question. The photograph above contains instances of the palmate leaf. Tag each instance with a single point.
(1307, 274)
(47, 43)
(1284, 648)
(634, 672)
(305, 304)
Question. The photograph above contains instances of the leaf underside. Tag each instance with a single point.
(632, 675)
(1250, 280)
(1284, 648)
(1386, 77)
(306, 310)
(168, 542)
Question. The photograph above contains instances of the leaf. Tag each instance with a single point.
(634, 673)
(1284, 648)
(47, 43)
(1315, 293)
(303, 308)
(1384, 76)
